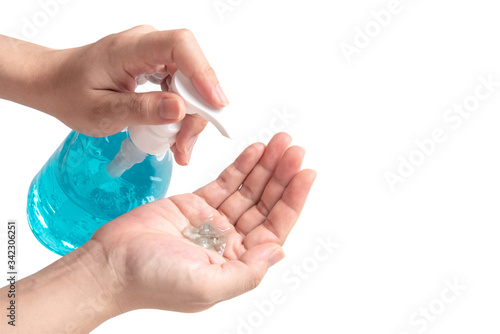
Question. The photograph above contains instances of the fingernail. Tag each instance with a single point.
(276, 257)
(190, 144)
(222, 97)
(169, 109)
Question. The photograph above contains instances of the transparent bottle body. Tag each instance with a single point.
(73, 195)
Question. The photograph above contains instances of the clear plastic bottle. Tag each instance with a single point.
(73, 194)
(89, 181)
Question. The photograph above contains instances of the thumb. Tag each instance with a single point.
(245, 274)
(262, 257)
(150, 108)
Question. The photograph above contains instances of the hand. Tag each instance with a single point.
(91, 88)
(256, 201)
(142, 260)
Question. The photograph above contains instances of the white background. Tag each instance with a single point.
(397, 248)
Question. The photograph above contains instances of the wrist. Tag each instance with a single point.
(73, 295)
(22, 68)
(101, 293)
(44, 87)
(36, 76)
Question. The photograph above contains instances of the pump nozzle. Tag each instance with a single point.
(196, 104)
(157, 139)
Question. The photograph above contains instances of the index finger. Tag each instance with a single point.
(180, 47)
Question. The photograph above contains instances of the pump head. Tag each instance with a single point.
(157, 139)
(196, 104)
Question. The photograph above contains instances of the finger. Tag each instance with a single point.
(253, 186)
(285, 213)
(192, 126)
(287, 168)
(232, 177)
(143, 108)
(139, 29)
(171, 68)
(236, 277)
(179, 47)
(159, 77)
(183, 158)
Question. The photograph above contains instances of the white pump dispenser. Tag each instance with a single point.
(157, 139)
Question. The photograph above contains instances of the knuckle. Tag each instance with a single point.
(140, 107)
(196, 124)
(116, 42)
(97, 113)
(263, 208)
(187, 36)
(184, 35)
(102, 124)
(207, 69)
(224, 179)
(247, 192)
(204, 69)
(118, 109)
(202, 123)
(144, 27)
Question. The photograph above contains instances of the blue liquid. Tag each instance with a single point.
(72, 195)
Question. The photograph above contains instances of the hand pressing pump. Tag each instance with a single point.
(89, 181)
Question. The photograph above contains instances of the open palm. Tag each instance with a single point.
(255, 202)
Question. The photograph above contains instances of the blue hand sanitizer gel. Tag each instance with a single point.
(73, 194)
(90, 181)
